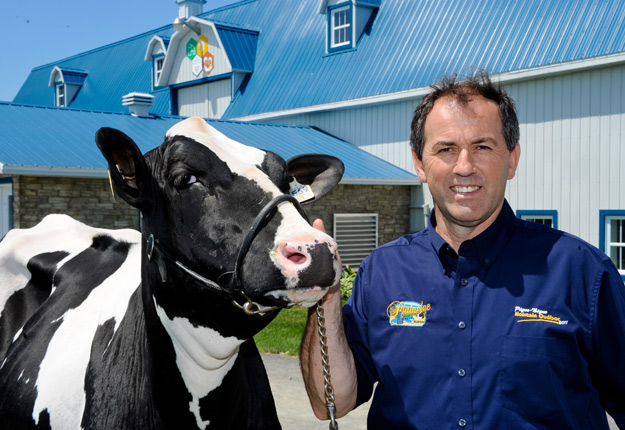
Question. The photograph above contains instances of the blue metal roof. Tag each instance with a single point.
(112, 72)
(73, 76)
(240, 46)
(47, 137)
(410, 45)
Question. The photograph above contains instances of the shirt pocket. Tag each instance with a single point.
(540, 380)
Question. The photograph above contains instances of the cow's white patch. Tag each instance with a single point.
(295, 229)
(203, 356)
(60, 382)
(51, 234)
(241, 159)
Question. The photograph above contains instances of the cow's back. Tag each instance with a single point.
(65, 289)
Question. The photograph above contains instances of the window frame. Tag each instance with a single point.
(349, 27)
(156, 72)
(59, 99)
(604, 234)
(532, 215)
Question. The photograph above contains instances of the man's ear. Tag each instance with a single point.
(418, 166)
(127, 167)
(319, 171)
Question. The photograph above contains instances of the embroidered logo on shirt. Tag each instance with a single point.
(409, 314)
(536, 315)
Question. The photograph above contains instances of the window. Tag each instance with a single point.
(6, 206)
(340, 27)
(612, 237)
(356, 235)
(60, 94)
(546, 217)
(158, 68)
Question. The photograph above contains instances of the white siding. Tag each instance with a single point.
(181, 70)
(382, 130)
(209, 100)
(572, 143)
(572, 153)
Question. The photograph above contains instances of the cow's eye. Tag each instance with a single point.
(184, 180)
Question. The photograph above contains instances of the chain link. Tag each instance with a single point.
(325, 361)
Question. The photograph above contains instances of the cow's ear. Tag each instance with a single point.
(321, 172)
(127, 167)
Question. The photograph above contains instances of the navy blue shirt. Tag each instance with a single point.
(524, 328)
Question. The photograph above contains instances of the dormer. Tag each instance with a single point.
(66, 83)
(203, 64)
(346, 20)
(157, 49)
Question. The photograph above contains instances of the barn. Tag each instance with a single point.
(350, 72)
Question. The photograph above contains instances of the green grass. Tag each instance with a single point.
(284, 334)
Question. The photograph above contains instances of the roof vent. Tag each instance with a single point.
(189, 8)
(138, 103)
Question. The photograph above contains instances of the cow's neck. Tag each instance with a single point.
(200, 355)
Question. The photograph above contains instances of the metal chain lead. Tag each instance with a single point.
(325, 360)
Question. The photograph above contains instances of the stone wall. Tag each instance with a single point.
(391, 203)
(91, 201)
(86, 199)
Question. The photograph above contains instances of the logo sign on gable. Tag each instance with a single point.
(191, 48)
(196, 65)
(202, 45)
(208, 62)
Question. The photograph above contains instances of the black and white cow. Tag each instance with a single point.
(115, 329)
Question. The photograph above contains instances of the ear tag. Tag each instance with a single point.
(302, 193)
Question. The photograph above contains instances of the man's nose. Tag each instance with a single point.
(464, 163)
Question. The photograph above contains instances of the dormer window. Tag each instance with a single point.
(347, 22)
(340, 27)
(60, 95)
(67, 83)
(157, 67)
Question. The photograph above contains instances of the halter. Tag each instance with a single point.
(234, 287)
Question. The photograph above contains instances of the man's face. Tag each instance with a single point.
(466, 163)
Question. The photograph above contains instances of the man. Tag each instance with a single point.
(480, 321)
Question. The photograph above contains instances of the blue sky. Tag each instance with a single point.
(38, 32)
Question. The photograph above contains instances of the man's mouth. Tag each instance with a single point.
(465, 189)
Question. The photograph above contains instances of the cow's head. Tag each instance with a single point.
(200, 193)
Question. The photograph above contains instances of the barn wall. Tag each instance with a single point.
(87, 200)
(572, 151)
(391, 203)
(91, 201)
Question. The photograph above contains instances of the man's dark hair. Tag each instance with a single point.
(463, 91)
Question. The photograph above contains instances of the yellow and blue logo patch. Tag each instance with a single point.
(407, 313)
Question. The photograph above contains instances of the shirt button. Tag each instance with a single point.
(461, 373)
(462, 422)
(462, 325)
(464, 282)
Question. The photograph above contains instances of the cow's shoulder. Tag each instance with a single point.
(32, 258)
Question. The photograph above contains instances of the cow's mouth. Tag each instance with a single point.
(304, 297)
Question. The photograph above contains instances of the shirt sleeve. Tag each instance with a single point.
(608, 344)
(356, 328)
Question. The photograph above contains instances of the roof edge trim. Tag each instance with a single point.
(68, 172)
(505, 77)
(379, 181)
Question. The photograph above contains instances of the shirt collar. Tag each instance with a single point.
(485, 246)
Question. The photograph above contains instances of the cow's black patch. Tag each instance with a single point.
(252, 399)
(22, 304)
(73, 285)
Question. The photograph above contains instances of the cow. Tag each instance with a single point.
(120, 329)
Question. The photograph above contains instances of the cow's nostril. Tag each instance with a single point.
(297, 258)
(294, 253)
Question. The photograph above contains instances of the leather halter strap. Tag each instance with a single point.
(234, 289)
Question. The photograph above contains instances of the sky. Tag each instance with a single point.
(38, 32)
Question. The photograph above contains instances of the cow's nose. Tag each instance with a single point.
(294, 253)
